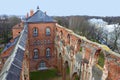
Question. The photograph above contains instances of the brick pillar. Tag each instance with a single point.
(63, 73)
(31, 12)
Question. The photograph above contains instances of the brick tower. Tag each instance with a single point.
(41, 29)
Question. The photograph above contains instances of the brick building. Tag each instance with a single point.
(40, 43)
(41, 29)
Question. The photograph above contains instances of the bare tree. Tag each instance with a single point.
(115, 38)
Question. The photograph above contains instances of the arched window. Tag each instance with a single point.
(47, 31)
(42, 65)
(61, 34)
(36, 54)
(35, 32)
(48, 53)
(68, 38)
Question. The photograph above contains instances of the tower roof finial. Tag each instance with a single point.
(37, 7)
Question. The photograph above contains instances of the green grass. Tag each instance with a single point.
(80, 49)
(68, 70)
(101, 60)
(43, 75)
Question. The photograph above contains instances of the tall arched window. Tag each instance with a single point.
(36, 54)
(48, 53)
(35, 32)
(68, 38)
(47, 31)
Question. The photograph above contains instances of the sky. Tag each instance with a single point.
(62, 7)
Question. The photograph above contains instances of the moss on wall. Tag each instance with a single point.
(101, 59)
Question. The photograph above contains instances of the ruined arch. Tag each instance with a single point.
(78, 42)
(60, 55)
(66, 63)
(75, 76)
(61, 34)
(66, 71)
(78, 47)
(99, 60)
(56, 29)
(99, 57)
(68, 38)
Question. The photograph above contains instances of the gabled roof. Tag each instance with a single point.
(13, 66)
(40, 16)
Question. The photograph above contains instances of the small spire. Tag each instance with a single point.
(38, 8)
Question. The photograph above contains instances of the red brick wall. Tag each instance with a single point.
(16, 32)
(34, 63)
(91, 50)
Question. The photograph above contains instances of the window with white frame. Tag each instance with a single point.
(36, 54)
(48, 53)
(42, 64)
(35, 32)
(47, 31)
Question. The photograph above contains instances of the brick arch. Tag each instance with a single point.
(61, 34)
(67, 63)
(68, 38)
(60, 55)
(75, 76)
(72, 50)
(77, 45)
(100, 57)
(56, 29)
(66, 70)
(97, 53)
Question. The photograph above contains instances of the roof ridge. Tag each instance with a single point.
(40, 16)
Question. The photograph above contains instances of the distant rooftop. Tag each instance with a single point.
(40, 16)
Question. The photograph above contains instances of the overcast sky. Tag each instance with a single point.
(62, 7)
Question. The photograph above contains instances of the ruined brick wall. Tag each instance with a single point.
(88, 59)
(16, 32)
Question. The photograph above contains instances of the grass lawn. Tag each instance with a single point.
(43, 75)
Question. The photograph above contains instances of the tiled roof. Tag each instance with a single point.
(40, 16)
(13, 66)
(10, 44)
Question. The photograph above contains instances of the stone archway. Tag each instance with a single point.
(98, 64)
(75, 76)
(60, 64)
(66, 71)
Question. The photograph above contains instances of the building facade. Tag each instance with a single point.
(41, 29)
